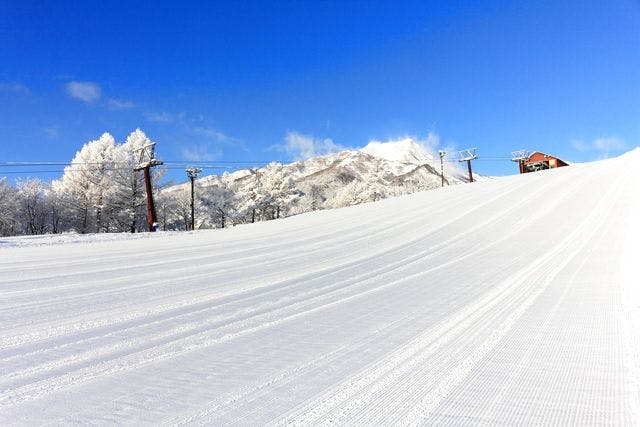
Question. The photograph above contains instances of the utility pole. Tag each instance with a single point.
(146, 161)
(520, 156)
(466, 156)
(442, 154)
(193, 174)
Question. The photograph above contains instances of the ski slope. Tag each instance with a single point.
(513, 301)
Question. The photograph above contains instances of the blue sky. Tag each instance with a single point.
(230, 81)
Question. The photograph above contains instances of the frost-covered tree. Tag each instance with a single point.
(311, 200)
(33, 211)
(219, 201)
(251, 197)
(354, 193)
(129, 197)
(57, 221)
(278, 189)
(316, 197)
(165, 208)
(86, 188)
(8, 208)
(177, 209)
(378, 183)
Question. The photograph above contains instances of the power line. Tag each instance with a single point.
(57, 167)
(25, 171)
(170, 162)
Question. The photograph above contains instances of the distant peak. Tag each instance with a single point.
(406, 150)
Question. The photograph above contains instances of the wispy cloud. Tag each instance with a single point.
(205, 142)
(609, 144)
(580, 145)
(210, 133)
(51, 132)
(162, 117)
(301, 147)
(14, 87)
(603, 145)
(119, 104)
(201, 152)
(84, 91)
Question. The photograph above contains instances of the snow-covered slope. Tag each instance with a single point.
(510, 301)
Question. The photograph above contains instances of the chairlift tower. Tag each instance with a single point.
(147, 160)
(520, 156)
(466, 156)
(442, 153)
(193, 173)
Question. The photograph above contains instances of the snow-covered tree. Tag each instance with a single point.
(251, 197)
(377, 182)
(353, 193)
(311, 200)
(57, 221)
(129, 197)
(278, 189)
(8, 208)
(316, 197)
(220, 201)
(177, 209)
(86, 188)
(33, 211)
(165, 207)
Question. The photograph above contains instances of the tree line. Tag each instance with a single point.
(100, 192)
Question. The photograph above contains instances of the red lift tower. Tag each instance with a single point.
(466, 156)
(147, 160)
(520, 157)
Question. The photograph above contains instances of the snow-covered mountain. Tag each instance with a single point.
(396, 167)
(397, 163)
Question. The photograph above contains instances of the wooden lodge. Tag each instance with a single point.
(538, 160)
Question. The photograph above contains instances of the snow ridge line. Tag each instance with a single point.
(355, 392)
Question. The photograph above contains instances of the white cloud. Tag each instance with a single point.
(84, 91)
(163, 117)
(609, 144)
(120, 104)
(51, 132)
(431, 143)
(301, 147)
(603, 145)
(210, 133)
(580, 145)
(201, 152)
(14, 87)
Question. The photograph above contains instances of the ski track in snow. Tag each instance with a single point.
(390, 313)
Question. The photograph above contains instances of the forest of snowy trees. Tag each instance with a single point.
(100, 192)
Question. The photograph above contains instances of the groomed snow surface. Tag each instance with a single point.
(510, 301)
